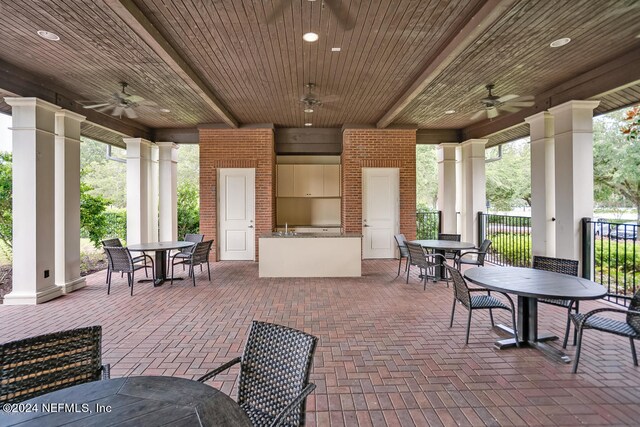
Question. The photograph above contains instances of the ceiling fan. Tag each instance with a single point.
(493, 104)
(310, 100)
(337, 7)
(120, 103)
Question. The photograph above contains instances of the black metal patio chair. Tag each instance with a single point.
(120, 260)
(34, 366)
(401, 241)
(462, 294)
(564, 266)
(198, 255)
(629, 328)
(473, 257)
(185, 253)
(426, 262)
(274, 374)
(116, 243)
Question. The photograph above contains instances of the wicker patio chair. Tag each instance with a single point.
(423, 260)
(274, 374)
(462, 294)
(404, 252)
(198, 255)
(116, 243)
(186, 252)
(564, 266)
(42, 364)
(629, 328)
(473, 257)
(452, 238)
(120, 260)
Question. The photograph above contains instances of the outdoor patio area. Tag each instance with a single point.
(385, 354)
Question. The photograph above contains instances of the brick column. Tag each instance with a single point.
(67, 201)
(574, 173)
(543, 239)
(33, 125)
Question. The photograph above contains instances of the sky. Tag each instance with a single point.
(5, 133)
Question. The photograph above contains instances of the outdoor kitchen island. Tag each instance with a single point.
(310, 255)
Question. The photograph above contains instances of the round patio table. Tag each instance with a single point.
(131, 401)
(441, 246)
(160, 248)
(530, 284)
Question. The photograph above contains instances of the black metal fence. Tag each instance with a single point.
(428, 224)
(510, 239)
(611, 253)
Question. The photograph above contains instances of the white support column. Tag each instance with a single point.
(138, 153)
(474, 194)
(574, 173)
(67, 201)
(153, 193)
(33, 202)
(169, 194)
(447, 187)
(543, 236)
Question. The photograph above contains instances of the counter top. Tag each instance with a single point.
(278, 235)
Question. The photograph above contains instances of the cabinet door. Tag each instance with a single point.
(285, 181)
(331, 179)
(308, 181)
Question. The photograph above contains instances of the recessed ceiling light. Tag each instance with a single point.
(335, 49)
(308, 110)
(450, 111)
(48, 35)
(560, 42)
(308, 124)
(310, 37)
(165, 110)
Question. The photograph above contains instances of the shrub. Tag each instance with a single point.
(510, 249)
(116, 223)
(93, 222)
(188, 209)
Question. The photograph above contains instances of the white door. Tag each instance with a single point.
(236, 213)
(380, 211)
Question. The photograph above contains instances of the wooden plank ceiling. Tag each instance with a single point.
(251, 59)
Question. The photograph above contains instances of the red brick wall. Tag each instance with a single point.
(378, 148)
(236, 148)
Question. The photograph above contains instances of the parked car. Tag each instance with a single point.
(602, 227)
(628, 230)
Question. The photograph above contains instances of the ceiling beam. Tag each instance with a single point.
(611, 76)
(140, 24)
(479, 22)
(25, 84)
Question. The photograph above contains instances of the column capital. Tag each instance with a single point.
(474, 142)
(542, 115)
(31, 102)
(574, 105)
(167, 144)
(137, 141)
(70, 115)
(446, 151)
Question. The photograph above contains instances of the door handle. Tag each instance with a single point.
(367, 225)
(251, 226)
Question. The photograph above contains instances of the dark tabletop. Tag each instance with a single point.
(159, 246)
(532, 283)
(445, 245)
(134, 401)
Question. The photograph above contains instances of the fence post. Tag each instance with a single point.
(481, 228)
(587, 247)
(439, 222)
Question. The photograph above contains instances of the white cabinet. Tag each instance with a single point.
(331, 180)
(285, 181)
(307, 180)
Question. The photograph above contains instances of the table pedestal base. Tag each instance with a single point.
(538, 344)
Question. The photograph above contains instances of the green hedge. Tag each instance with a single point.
(617, 264)
(510, 249)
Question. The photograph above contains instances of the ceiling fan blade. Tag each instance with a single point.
(92, 106)
(520, 104)
(117, 111)
(341, 12)
(509, 108)
(147, 103)
(525, 98)
(130, 113)
(105, 108)
(492, 112)
(508, 97)
(477, 115)
(134, 99)
(277, 11)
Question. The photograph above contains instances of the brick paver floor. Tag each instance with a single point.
(386, 355)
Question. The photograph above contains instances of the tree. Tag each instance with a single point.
(93, 221)
(615, 160)
(509, 179)
(188, 209)
(6, 217)
(426, 177)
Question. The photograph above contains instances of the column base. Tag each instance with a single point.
(73, 285)
(48, 294)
